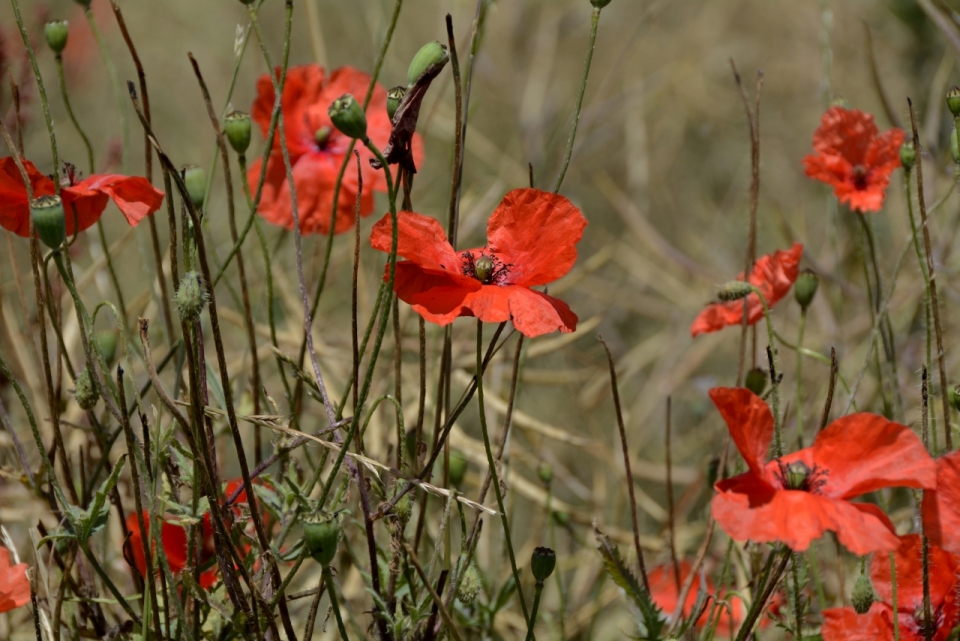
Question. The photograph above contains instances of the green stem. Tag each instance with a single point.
(595, 20)
(115, 83)
(533, 611)
(815, 570)
(775, 374)
(893, 598)
(797, 616)
(85, 546)
(332, 591)
(801, 326)
(73, 117)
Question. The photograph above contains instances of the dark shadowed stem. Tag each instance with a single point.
(457, 136)
(422, 400)
(931, 283)
(492, 464)
(626, 463)
(538, 590)
(332, 590)
(760, 604)
(354, 289)
(671, 523)
(594, 21)
(924, 543)
(828, 402)
(314, 606)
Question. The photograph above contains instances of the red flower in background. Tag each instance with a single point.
(83, 201)
(531, 241)
(941, 507)
(14, 584)
(798, 497)
(317, 149)
(853, 159)
(844, 624)
(773, 274)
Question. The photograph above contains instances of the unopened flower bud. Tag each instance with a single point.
(756, 381)
(320, 539)
(432, 53)
(347, 115)
(734, 290)
(795, 475)
(49, 221)
(806, 287)
(196, 180)
(191, 297)
(545, 472)
(542, 563)
(56, 35)
(483, 269)
(394, 98)
(908, 155)
(86, 391)
(953, 101)
(863, 595)
(470, 586)
(458, 467)
(236, 126)
(107, 340)
(404, 508)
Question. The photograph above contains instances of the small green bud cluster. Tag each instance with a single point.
(908, 155)
(863, 595)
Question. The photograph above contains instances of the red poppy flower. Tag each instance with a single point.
(531, 241)
(317, 149)
(773, 274)
(853, 159)
(83, 201)
(663, 589)
(14, 584)
(844, 624)
(941, 507)
(796, 498)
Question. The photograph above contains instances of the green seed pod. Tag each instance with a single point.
(347, 115)
(734, 290)
(458, 467)
(191, 297)
(107, 340)
(56, 33)
(86, 392)
(236, 126)
(394, 98)
(863, 595)
(470, 586)
(196, 180)
(545, 472)
(49, 220)
(795, 475)
(542, 563)
(806, 287)
(432, 53)
(483, 269)
(953, 101)
(908, 155)
(320, 539)
(756, 381)
(600, 4)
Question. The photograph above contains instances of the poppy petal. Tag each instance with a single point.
(535, 233)
(864, 452)
(300, 91)
(942, 574)
(435, 291)
(14, 583)
(941, 507)
(14, 208)
(534, 313)
(134, 195)
(315, 176)
(750, 423)
(420, 239)
(844, 624)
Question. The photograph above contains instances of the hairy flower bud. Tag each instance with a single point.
(320, 539)
(863, 595)
(348, 116)
(236, 126)
(56, 33)
(404, 508)
(953, 101)
(756, 381)
(432, 53)
(542, 563)
(806, 287)
(196, 180)
(394, 98)
(735, 290)
(908, 155)
(49, 220)
(470, 586)
(191, 297)
(86, 391)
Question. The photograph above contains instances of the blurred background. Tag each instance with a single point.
(661, 169)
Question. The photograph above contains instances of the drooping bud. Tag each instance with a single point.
(953, 101)
(191, 297)
(49, 220)
(735, 290)
(236, 126)
(56, 33)
(458, 467)
(806, 287)
(795, 475)
(908, 155)
(322, 135)
(86, 392)
(863, 595)
(347, 115)
(470, 586)
(394, 98)
(542, 563)
(483, 269)
(320, 539)
(545, 472)
(756, 381)
(107, 340)
(196, 180)
(432, 53)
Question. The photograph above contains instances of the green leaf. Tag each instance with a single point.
(96, 517)
(651, 620)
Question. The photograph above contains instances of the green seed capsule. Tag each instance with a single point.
(542, 563)
(56, 33)
(49, 221)
(348, 116)
(806, 287)
(471, 586)
(458, 467)
(600, 4)
(320, 539)
(908, 155)
(430, 54)
(196, 180)
(236, 126)
(953, 101)
(756, 381)
(86, 392)
(394, 98)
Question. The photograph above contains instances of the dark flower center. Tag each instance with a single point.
(859, 177)
(70, 175)
(322, 137)
(799, 476)
(488, 269)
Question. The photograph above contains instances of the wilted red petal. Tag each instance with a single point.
(943, 568)
(301, 90)
(535, 233)
(864, 452)
(845, 132)
(941, 507)
(432, 290)
(420, 239)
(14, 208)
(14, 583)
(134, 196)
(750, 422)
(844, 624)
